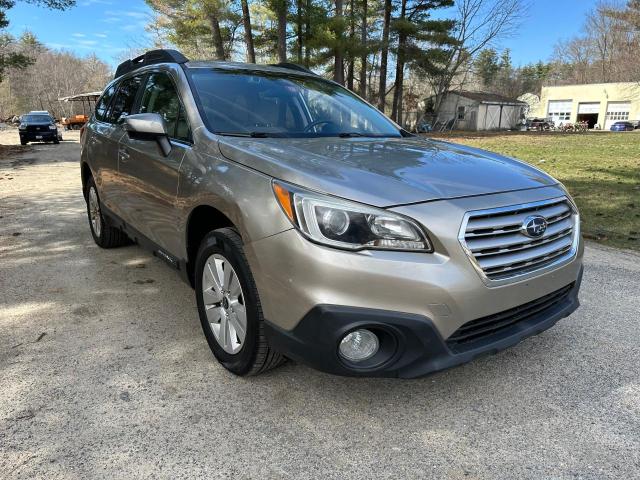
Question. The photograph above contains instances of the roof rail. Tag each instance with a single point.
(292, 66)
(150, 58)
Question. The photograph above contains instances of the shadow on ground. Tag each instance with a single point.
(104, 372)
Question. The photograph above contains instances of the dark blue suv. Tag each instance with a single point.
(38, 127)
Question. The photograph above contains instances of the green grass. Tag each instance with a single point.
(600, 170)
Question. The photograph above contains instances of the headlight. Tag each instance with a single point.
(52, 127)
(349, 225)
(22, 126)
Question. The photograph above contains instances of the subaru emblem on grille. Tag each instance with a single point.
(534, 226)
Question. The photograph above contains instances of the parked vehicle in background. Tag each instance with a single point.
(75, 122)
(38, 126)
(622, 127)
(538, 124)
(313, 227)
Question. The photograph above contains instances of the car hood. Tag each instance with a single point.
(384, 172)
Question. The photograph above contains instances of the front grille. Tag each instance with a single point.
(497, 246)
(494, 324)
(37, 128)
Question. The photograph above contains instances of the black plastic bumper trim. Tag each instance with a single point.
(419, 348)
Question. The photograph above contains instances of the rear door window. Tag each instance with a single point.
(125, 98)
(103, 104)
(160, 96)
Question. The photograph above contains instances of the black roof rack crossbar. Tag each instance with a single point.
(292, 66)
(150, 58)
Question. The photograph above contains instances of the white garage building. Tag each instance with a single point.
(464, 110)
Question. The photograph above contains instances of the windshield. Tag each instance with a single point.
(36, 119)
(264, 104)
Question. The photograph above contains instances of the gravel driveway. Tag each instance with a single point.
(105, 373)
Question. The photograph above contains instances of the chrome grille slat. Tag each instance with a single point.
(505, 241)
(544, 241)
(500, 250)
(524, 255)
(515, 219)
(530, 263)
(512, 228)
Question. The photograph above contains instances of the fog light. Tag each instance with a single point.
(359, 345)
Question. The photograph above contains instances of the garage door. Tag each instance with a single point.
(560, 111)
(589, 107)
(616, 112)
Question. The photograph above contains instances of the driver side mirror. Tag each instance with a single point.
(148, 126)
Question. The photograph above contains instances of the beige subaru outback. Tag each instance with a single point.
(314, 228)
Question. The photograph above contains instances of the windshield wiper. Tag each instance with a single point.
(350, 134)
(248, 134)
(368, 135)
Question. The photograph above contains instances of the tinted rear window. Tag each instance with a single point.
(103, 103)
(123, 103)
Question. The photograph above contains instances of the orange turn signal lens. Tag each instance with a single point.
(284, 199)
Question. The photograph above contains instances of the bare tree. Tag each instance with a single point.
(479, 24)
(39, 86)
(607, 48)
(573, 58)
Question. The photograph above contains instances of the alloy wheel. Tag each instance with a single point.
(224, 303)
(94, 212)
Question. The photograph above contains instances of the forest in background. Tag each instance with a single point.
(50, 74)
(394, 53)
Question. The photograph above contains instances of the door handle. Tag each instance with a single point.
(123, 155)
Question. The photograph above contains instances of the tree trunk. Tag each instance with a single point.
(338, 65)
(384, 56)
(352, 38)
(282, 31)
(363, 57)
(307, 34)
(396, 109)
(299, 31)
(248, 34)
(217, 37)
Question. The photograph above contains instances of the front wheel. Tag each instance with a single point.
(229, 306)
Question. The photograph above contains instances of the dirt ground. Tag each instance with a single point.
(105, 373)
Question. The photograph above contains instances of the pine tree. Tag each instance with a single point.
(421, 41)
(248, 32)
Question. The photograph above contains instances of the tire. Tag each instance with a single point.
(23, 142)
(56, 141)
(221, 318)
(103, 234)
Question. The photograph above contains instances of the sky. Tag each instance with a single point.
(110, 28)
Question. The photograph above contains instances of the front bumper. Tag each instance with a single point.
(45, 135)
(301, 284)
(414, 347)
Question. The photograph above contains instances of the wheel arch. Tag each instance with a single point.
(86, 174)
(201, 220)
